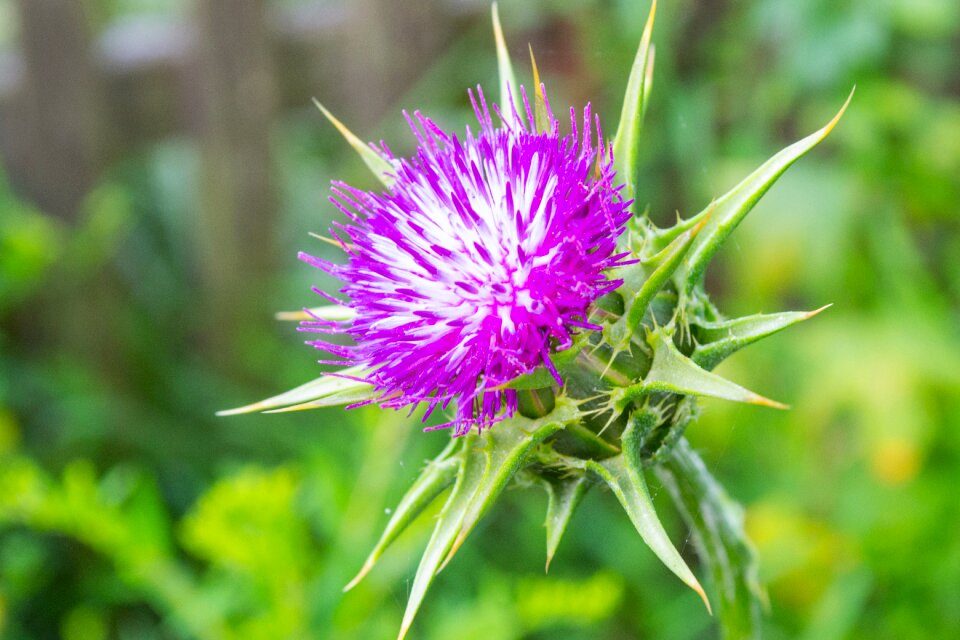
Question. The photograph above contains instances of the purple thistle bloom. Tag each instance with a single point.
(482, 258)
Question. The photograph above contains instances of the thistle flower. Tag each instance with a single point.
(481, 259)
(511, 272)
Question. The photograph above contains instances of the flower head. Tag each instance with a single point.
(484, 258)
(481, 259)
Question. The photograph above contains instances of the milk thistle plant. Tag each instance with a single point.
(510, 276)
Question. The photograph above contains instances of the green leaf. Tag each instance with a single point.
(718, 340)
(626, 140)
(432, 481)
(469, 477)
(727, 212)
(564, 495)
(505, 449)
(324, 391)
(675, 373)
(541, 376)
(592, 445)
(716, 525)
(508, 81)
(628, 484)
(376, 162)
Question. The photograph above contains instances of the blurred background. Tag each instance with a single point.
(162, 165)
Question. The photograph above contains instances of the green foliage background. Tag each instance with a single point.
(128, 511)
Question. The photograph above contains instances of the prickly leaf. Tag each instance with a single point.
(626, 140)
(331, 312)
(630, 488)
(718, 340)
(505, 448)
(716, 524)
(564, 495)
(675, 373)
(432, 481)
(730, 210)
(338, 389)
(508, 82)
(666, 263)
(540, 115)
(469, 477)
(379, 165)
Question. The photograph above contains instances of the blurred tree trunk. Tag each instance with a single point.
(59, 142)
(238, 199)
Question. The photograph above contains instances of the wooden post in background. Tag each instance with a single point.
(238, 201)
(59, 140)
(56, 143)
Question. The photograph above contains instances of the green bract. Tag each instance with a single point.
(629, 391)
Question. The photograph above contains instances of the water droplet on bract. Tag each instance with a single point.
(388, 511)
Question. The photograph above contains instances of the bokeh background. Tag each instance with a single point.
(162, 167)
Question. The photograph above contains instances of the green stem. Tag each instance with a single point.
(716, 525)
